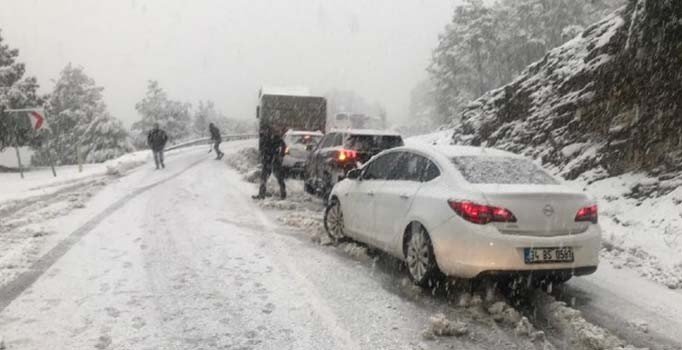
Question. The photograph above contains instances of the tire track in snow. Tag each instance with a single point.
(14, 289)
(317, 303)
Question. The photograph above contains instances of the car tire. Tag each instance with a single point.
(420, 258)
(333, 221)
(308, 188)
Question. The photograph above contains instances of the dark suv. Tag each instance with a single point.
(341, 151)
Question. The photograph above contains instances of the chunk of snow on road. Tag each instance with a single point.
(440, 326)
(503, 312)
(355, 250)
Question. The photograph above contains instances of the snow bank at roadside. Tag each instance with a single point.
(121, 165)
(245, 161)
(642, 229)
(577, 332)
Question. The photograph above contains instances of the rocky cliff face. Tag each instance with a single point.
(605, 103)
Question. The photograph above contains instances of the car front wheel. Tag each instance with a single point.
(419, 257)
(333, 221)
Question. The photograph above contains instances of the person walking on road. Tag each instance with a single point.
(272, 149)
(156, 139)
(217, 139)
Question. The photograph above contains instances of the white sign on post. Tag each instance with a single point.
(37, 119)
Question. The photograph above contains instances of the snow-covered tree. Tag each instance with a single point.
(173, 116)
(205, 114)
(15, 92)
(80, 122)
(488, 44)
(106, 138)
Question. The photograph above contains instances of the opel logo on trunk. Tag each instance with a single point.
(548, 210)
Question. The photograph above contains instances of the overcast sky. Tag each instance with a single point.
(224, 50)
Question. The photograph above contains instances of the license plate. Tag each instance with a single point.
(548, 255)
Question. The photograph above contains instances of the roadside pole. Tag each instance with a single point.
(21, 168)
(49, 157)
(78, 157)
(51, 160)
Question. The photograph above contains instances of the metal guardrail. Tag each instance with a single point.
(207, 140)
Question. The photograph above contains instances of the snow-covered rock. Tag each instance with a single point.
(608, 99)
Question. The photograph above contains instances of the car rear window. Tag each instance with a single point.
(304, 139)
(373, 142)
(501, 170)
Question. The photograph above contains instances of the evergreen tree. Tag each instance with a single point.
(79, 121)
(16, 92)
(173, 116)
(486, 46)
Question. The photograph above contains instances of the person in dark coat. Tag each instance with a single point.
(156, 139)
(217, 139)
(272, 148)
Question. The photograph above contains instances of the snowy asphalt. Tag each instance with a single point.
(184, 259)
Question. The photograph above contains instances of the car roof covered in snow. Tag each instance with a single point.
(304, 132)
(367, 132)
(450, 151)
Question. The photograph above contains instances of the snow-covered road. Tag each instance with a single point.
(188, 261)
(184, 259)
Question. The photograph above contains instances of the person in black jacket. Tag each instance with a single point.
(272, 149)
(217, 139)
(156, 139)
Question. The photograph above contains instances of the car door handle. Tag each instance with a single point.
(404, 196)
(370, 193)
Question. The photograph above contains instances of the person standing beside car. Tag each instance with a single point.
(156, 139)
(217, 139)
(272, 148)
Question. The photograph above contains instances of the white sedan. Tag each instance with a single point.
(466, 212)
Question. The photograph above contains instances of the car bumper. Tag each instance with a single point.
(293, 164)
(487, 251)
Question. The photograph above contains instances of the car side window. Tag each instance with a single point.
(414, 167)
(407, 167)
(338, 140)
(381, 167)
(430, 171)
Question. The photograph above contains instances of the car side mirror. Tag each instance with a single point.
(354, 174)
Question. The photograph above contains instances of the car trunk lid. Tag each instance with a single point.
(540, 210)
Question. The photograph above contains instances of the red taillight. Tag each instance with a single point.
(589, 214)
(346, 154)
(481, 214)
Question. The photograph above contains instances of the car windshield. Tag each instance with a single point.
(501, 170)
(372, 142)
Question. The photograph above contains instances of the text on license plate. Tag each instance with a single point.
(547, 255)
